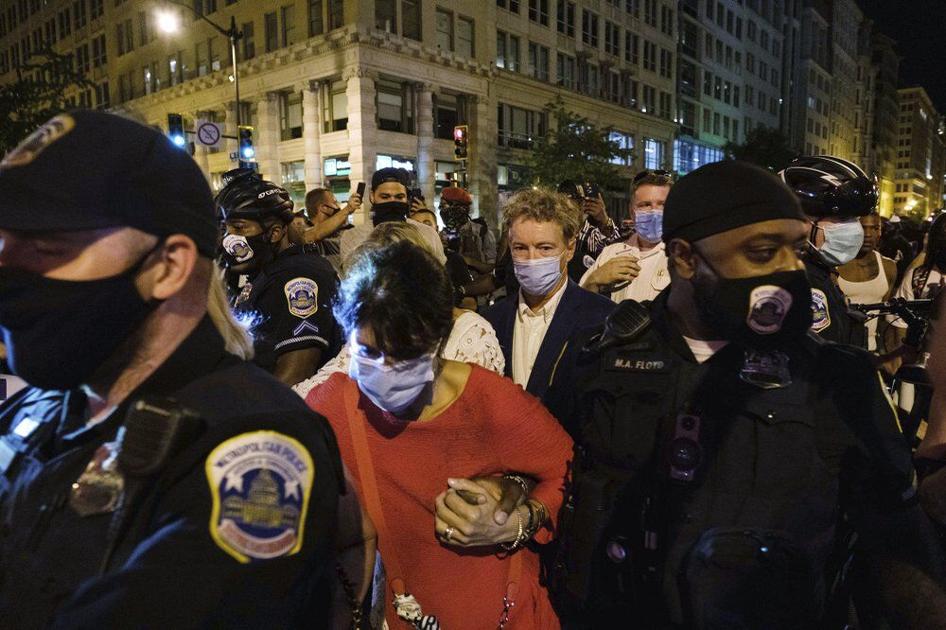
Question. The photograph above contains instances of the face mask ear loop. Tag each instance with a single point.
(812, 233)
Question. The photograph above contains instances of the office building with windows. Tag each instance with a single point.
(921, 156)
(335, 89)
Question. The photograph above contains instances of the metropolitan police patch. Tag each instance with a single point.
(260, 483)
(303, 295)
(820, 315)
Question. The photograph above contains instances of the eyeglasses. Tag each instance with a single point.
(652, 172)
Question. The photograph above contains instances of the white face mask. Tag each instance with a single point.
(392, 388)
(842, 241)
(538, 276)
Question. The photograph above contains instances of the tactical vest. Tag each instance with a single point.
(695, 495)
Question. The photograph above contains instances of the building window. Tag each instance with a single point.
(538, 61)
(612, 38)
(539, 11)
(335, 109)
(509, 5)
(288, 25)
(519, 128)
(654, 153)
(649, 105)
(336, 14)
(666, 107)
(650, 12)
(395, 106)
(465, 37)
(102, 98)
(444, 30)
(650, 56)
(625, 142)
(666, 63)
(249, 44)
(507, 51)
(82, 59)
(589, 28)
(385, 15)
(666, 20)
(78, 13)
(213, 55)
(148, 75)
(290, 115)
(144, 28)
(96, 8)
(200, 59)
(566, 71)
(631, 48)
(565, 17)
(316, 22)
(410, 19)
(175, 69)
(446, 115)
(271, 32)
(99, 53)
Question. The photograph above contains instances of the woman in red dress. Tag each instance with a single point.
(412, 428)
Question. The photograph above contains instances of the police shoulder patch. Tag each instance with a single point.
(303, 296)
(260, 483)
(820, 315)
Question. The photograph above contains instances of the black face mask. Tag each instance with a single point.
(940, 260)
(59, 332)
(388, 211)
(759, 312)
(454, 217)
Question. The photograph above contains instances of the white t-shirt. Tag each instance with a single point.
(702, 350)
(351, 238)
(528, 333)
(653, 277)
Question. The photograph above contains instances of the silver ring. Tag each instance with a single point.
(448, 534)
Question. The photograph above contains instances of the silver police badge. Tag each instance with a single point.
(100, 486)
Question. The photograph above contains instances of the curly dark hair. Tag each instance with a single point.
(402, 293)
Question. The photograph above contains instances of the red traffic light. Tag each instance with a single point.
(459, 133)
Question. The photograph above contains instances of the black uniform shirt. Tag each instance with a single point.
(290, 303)
(235, 530)
(787, 459)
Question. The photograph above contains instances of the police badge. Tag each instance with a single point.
(820, 315)
(260, 483)
(302, 295)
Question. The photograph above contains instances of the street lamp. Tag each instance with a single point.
(169, 22)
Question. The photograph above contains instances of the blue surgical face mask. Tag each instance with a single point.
(395, 387)
(538, 276)
(842, 241)
(649, 225)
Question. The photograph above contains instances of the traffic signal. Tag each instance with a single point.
(247, 152)
(460, 141)
(176, 130)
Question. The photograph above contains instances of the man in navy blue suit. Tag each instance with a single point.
(535, 328)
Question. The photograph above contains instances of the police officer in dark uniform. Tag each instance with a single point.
(288, 292)
(149, 477)
(724, 450)
(834, 194)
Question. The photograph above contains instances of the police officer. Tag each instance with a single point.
(289, 291)
(721, 445)
(834, 194)
(150, 476)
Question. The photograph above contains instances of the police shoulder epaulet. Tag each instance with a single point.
(260, 484)
(626, 323)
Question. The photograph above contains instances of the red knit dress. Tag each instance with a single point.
(493, 427)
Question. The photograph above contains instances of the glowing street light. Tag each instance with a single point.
(168, 21)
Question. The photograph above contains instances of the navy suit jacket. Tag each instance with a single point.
(578, 310)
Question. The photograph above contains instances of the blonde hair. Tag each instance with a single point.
(544, 205)
(236, 338)
(391, 232)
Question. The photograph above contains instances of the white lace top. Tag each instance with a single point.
(472, 340)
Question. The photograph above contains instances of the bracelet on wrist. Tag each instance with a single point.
(520, 535)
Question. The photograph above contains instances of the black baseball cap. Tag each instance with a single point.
(391, 174)
(86, 170)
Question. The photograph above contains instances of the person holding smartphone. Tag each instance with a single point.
(325, 221)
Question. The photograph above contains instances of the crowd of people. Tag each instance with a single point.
(721, 411)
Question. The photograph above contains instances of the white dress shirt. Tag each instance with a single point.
(528, 333)
(653, 277)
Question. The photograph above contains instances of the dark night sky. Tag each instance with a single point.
(919, 26)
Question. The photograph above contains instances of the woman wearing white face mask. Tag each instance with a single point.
(407, 422)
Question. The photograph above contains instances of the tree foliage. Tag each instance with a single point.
(37, 94)
(575, 149)
(765, 147)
